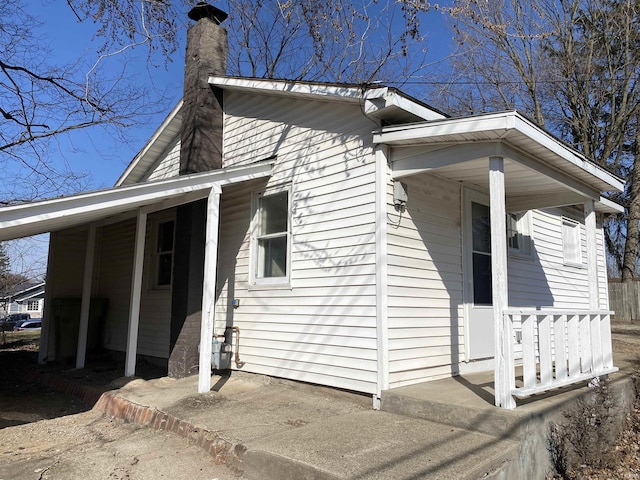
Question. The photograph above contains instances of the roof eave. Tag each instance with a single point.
(159, 133)
(499, 127)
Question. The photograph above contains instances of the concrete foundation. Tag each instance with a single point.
(466, 402)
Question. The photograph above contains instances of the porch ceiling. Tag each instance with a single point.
(117, 203)
(540, 171)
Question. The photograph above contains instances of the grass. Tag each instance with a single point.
(13, 339)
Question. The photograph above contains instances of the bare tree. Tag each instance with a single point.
(40, 101)
(359, 41)
(573, 67)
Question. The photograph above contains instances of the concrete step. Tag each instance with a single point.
(456, 410)
(377, 445)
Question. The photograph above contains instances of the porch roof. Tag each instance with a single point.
(540, 170)
(117, 203)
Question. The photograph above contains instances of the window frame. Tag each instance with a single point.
(523, 230)
(255, 280)
(33, 302)
(157, 255)
(575, 260)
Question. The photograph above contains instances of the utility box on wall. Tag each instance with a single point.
(220, 356)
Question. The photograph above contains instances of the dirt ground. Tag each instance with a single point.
(48, 435)
(622, 461)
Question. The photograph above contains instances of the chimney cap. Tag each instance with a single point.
(204, 10)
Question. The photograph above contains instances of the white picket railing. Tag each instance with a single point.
(559, 348)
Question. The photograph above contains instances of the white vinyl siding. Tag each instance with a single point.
(155, 304)
(603, 285)
(547, 281)
(115, 273)
(322, 328)
(425, 282)
(168, 165)
(65, 272)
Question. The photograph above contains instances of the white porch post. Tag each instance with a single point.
(209, 289)
(382, 321)
(46, 334)
(136, 290)
(86, 297)
(504, 368)
(592, 254)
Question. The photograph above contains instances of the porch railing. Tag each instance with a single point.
(558, 348)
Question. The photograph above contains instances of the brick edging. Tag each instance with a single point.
(87, 394)
(222, 451)
(109, 403)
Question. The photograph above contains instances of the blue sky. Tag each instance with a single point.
(104, 157)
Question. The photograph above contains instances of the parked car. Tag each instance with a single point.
(10, 321)
(27, 325)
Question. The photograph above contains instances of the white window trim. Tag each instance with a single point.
(256, 282)
(34, 302)
(525, 230)
(155, 256)
(576, 232)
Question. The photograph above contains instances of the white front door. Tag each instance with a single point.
(477, 268)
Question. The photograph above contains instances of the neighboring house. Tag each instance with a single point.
(349, 236)
(24, 298)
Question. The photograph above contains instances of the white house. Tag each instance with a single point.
(24, 298)
(343, 235)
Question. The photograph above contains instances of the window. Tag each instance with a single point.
(271, 238)
(571, 242)
(163, 253)
(519, 233)
(33, 305)
(481, 254)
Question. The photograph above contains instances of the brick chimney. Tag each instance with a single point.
(201, 150)
(201, 137)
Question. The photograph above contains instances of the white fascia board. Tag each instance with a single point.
(142, 153)
(376, 107)
(297, 88)
(605, 205)
(39, 217)
(31, 295)
(497, 123)
(413, 107)
(538, 135)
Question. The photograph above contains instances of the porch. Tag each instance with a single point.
(556, 349)
(518, 168)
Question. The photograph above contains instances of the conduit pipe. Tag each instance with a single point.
(236, 331)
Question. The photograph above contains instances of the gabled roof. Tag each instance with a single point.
(155, 147)
(388, 104)
(23, 291)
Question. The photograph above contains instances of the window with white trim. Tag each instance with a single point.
(33, 305)
(519, 233)
(271, 238)
(571, 242)
(163, 254)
